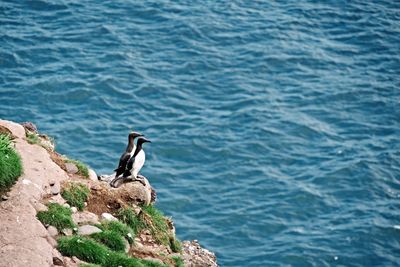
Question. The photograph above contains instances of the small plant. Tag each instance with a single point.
(119, 228)
(155, 221)
(175, 244)
(178, 261)
(32, 138)
(10, 163)
(82, 168)
(111, 239)
(128, 216)
(83, 248)
(57, 216)
(90, 251)
(89, 265)
(76, 194)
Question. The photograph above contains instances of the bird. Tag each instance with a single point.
(135, 163)
(123, 161)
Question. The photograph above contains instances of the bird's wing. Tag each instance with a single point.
(129, 167)
(123, 161)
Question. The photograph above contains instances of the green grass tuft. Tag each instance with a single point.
(10, 164)
(175, 244)
(90, 251)
(128, 216)
(32, 138)
(76, 194)
(85, 249)
(57, 216)
(152, 219)
(178, 261)
(111, 239)
(157, 225)
(89, 265)
(119, 228)
(82, 168)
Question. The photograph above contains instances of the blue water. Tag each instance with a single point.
(275, 125)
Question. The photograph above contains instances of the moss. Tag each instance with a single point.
(90, 251)
(119, 228)
(10, 164)
(76, 194)
(111, 239)
(82, 168)
(178, 261)
(57, 216)
(128, 216)
(32, 138)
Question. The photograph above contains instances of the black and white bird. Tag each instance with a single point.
(135, 163)
(130, 149)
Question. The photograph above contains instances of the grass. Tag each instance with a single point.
(113, 240)
(75, 194)
(178, 261)
(82, 168)
(118, 228)
(152, 219)
(10, 164)
(89, 265)
(91, 251)
(32, 138)
(128, 216)
(57, 216)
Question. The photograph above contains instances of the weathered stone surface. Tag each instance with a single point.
(39, 206)
(58, 259)
(74, 209)
(66, 205)
(88, 230)
(23, 239)
(92, 175)
(67, 232)
(194, 255)
(71, 168)
(52, 231)
(29, 126)
(57, 199)
(108, 217)
(51, 241)
(55, 189)
(85, 217)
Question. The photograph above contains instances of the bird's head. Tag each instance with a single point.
(133, 135)
(142, 140)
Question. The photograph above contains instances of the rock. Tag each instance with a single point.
(66, 205)
(57, 258)
(52, 182)
(67, 232)
(71, 168)
(4, 198)
(107, 178)
(51, 241)
(57, 199)
(39, 207)
(85, 217)
(194, 255)
(52, 231)
(74, 209)
(55, 189)
(92, 175)
(153, 196)
(88, 230)
(30, 126)
(127, 246)
(108, 217)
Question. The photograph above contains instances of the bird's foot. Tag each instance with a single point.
(115, 183)
(140, 179)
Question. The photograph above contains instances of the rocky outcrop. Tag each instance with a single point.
(25, 241)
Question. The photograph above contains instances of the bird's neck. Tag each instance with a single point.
(137, 150)
(131, 144)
